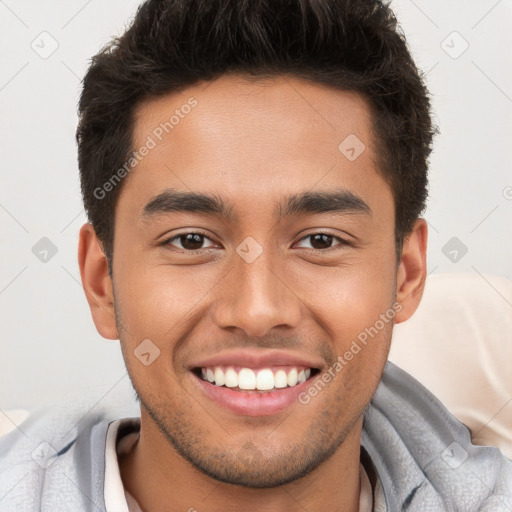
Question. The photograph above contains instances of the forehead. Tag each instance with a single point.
(288, 109)
(253, 138)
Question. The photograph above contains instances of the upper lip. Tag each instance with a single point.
(257, 359)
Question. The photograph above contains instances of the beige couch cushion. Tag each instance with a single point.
(459, 345)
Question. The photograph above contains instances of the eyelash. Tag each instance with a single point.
(342, 242)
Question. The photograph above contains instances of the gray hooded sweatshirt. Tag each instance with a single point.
(421, 455)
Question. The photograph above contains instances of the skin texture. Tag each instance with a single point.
(253, 144)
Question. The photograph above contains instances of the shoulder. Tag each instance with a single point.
(55, 457)
(424, 456)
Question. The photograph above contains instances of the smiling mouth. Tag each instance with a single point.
(255, 380)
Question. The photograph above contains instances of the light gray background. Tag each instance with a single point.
(50, 349)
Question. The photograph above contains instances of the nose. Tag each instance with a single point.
(256, 297)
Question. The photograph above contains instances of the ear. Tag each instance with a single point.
(96, 282)
(412, 271)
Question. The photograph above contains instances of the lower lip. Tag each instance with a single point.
(253, 404)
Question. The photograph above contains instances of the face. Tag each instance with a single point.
(255, 269)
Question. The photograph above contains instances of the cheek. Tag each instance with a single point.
(159, 302)
(350, 297)
(353, 305)
(153, 305)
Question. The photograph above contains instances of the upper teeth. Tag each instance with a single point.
(262, 379)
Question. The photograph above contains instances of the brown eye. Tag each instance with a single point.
(322, 241)
(188, 241)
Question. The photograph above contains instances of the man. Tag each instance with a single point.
(254, 175)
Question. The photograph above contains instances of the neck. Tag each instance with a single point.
(161, 480)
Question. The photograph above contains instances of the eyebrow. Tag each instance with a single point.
(337, 201)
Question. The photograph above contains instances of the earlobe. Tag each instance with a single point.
(96, 282)
(412, 271)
